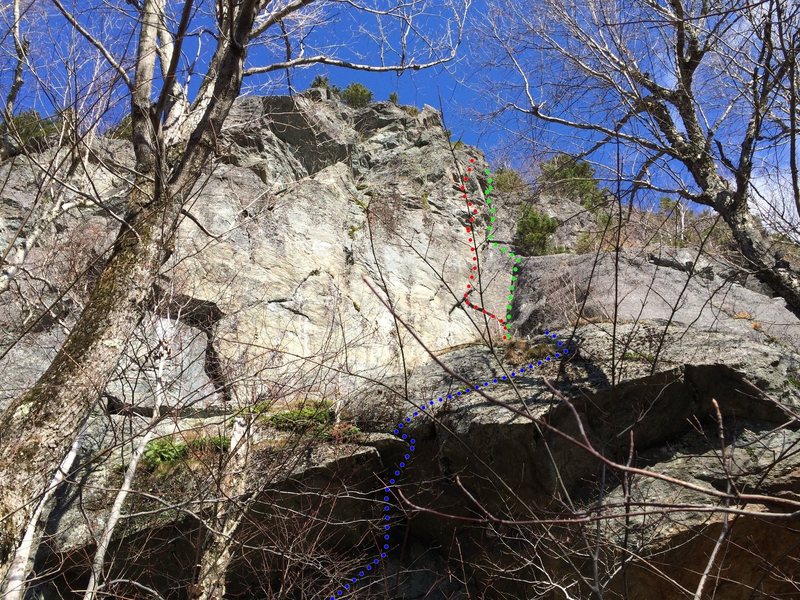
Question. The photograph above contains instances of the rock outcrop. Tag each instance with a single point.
(268, 300)
(307, 199)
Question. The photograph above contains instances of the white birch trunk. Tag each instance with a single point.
(214, 563)
(18, 571)
(96, 577)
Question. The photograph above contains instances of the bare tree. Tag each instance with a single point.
(217, 557)
(21, 47)
(95, 578)
(702, 95)
(54, 144)
(173, 140)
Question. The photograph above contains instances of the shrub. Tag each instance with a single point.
(165, 451)
(122, 130)
(507, 180)
(356, 95)
(636, 356)
(258, 408)
(518, 352)
(345, 433)
(322, 81)
(318, 415)
(565, 175)
(585, 243)
(29, 130)
(715, 232)
(411, 110)
(534, 231)
(393, 98)
(214, 443)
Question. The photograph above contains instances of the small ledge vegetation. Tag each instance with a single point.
(508, 180)
(317, 415)
(28, 130)
(534, 232)
(167, 452)
(356, 95)
(565, 175)
(122, 130)
(315, 420)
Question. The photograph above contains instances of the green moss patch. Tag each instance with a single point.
(167, 452)
(317, 415)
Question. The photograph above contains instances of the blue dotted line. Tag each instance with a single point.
(398, 431)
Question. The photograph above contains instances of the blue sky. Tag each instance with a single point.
(438, 87)
(441, 87)
(462, 89)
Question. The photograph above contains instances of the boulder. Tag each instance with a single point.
(562, 290)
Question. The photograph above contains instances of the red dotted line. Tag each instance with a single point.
(473, 248)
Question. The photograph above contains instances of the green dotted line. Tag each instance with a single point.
(513, 286)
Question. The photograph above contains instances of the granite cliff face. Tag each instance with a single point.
(267, 295)
(308, 198)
